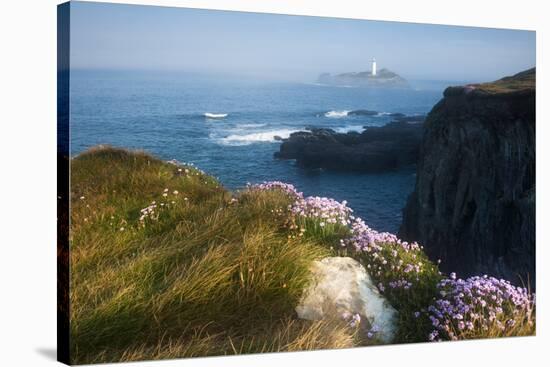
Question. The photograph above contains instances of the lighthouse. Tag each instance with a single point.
(373, 66)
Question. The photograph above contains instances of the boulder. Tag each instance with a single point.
(341, 287)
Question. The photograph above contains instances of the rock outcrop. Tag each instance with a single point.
(376, 149)
(341, 288)
(474, 202)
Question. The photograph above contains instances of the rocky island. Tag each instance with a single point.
(376, 149)
(474, 202)
(382, 78)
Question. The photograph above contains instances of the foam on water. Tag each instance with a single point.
(258, 137)
(347, 129)
(215, 115)
(336, 114)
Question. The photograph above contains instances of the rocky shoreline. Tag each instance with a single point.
(376, 149)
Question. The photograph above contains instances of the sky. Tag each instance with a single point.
(117, 36)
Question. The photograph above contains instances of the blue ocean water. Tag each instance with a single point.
(163, 113)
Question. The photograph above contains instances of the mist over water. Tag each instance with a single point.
(164, 113)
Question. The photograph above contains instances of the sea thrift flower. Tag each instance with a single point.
(276, 185)
(482, 301)
(326, 209)
(463, 308)
(372, 332)
(352, 319)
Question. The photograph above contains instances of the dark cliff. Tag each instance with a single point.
(474, 202)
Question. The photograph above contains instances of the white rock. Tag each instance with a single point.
(341, 286)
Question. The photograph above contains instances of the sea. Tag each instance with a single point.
(227, 125)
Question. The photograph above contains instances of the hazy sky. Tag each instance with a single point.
(111, 36)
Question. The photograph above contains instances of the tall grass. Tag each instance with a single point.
(202, 273)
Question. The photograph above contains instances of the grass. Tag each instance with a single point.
(166, 263)
(525, 80)
(204, 274)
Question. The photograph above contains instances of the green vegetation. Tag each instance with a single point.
(201, 273)
(166, 263)
(526, 80)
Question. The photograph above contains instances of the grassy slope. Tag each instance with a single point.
(208, 276)
(207, 273)
(525, 80)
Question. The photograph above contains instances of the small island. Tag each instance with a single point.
(382, 78)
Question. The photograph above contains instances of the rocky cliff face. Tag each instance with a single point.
(474, 202)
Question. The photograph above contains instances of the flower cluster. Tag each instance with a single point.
(312, 213)
(277, 185)
(478, 304)
(189, 170)
(327, 211)
(367, 239)
(372, 332)
(149, 212)
(353, 320)
(153, 210)
(186, 168)
(400, 283)
(475, 307)
(394, 263)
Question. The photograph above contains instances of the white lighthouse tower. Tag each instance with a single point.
(373, 66)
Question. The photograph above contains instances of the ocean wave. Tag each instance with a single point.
(215, 115)
(259, 137)
(336, 114)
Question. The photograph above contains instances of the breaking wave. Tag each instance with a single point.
(347, 129)
(336, 114)
(215, 115)
(259, 137)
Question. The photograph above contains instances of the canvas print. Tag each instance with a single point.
(236, 183)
